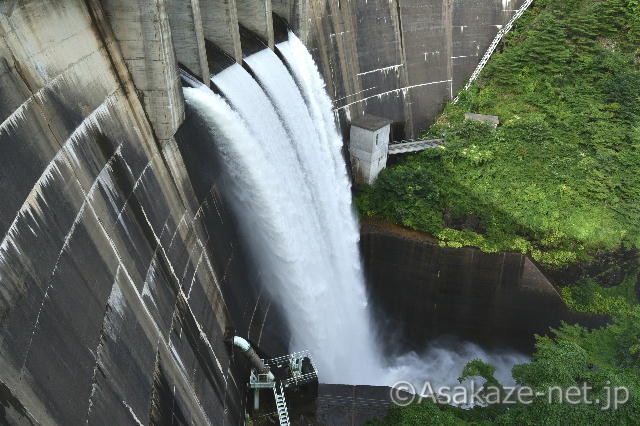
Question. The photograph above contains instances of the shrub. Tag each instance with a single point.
(558, 179)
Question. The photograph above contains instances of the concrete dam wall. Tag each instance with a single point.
(119, 276)
(400, 59)
(121, 269)
(424, 291)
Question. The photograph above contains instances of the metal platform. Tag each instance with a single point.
(287, 371)
(406, 146)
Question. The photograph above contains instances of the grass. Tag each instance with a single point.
(558, 179)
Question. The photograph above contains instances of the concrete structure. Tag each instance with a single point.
(400, 59)
(295, 13)
(255, 15)
(120, 265)
(143, 34)
(424, 291)
(492, 120)
(496, 42)
(347, 405)
(220, 26)
(187, 35)
(114, 306)
(368, 147)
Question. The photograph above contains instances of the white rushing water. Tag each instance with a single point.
(299, 222)
(288, 184)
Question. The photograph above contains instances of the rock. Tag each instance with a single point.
(494, 120)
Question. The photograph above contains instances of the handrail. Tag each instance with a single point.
(435, 141)
(413, 146)
(286, 358)
(494, 44)
(300, 379)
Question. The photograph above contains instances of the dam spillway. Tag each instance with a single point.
(298, 190)
(286, 180)
(121, 267)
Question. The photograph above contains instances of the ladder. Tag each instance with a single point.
(281, 405)
(494, 44)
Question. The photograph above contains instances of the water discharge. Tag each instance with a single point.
(287, 182)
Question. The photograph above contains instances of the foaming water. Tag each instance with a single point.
(441, 363)
(300, 230)
(287, 182)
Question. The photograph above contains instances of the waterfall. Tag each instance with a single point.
(291, 192)
(287, 182)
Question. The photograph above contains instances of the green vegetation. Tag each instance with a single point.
(588, 296)
(573, 356)
(559, 178)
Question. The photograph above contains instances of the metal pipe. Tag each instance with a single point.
(252, 356)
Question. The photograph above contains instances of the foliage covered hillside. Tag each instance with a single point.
(559, 179)
(574, 356)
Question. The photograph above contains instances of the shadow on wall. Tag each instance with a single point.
(424, 291)
(253, 314)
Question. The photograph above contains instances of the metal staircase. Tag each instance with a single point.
(280, 373)
(494, 44)
(281, 406)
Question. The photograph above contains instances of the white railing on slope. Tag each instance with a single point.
(281, 406)
(494, 44)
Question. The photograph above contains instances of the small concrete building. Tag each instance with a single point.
(493, 120)
(368, 147)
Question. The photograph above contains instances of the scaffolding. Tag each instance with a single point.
(284, 372)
